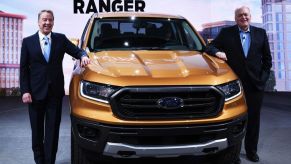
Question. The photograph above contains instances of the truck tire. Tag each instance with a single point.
(229, 155)
(77, 155)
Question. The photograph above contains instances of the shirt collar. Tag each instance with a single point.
(240, 30)
(41, 36)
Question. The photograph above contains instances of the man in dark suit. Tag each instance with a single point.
(42, 84)
(246, 49)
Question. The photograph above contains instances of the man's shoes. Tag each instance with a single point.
(236, 161)
(253, 157)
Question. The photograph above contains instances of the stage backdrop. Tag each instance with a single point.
(201, 13)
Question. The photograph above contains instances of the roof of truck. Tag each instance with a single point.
(136, 14)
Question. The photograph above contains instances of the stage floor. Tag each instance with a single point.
(15, 137)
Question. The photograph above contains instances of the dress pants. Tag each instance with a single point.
(254, 99)
(45, 118)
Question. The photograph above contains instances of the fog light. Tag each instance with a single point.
(238, 128)
(88, 132)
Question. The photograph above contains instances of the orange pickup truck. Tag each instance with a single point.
(151, 91)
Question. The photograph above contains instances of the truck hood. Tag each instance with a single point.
(155, 64)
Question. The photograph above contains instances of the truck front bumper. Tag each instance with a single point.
(157, 141)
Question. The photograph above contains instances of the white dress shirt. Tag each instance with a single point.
(42, 40)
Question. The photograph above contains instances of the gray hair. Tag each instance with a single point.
(45, 11)
(238, 9)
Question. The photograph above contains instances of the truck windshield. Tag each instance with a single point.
(143, 34)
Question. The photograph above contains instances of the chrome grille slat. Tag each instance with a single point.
(200, 99)
(156, 106)
(200, 105)
(138, 100)
(138, 106)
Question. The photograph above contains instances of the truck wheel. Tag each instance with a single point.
(229, 155)
(77, 155)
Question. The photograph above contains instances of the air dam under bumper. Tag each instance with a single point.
(132, 151)
(156, 141)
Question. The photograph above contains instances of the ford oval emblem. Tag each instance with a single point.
(170, 103)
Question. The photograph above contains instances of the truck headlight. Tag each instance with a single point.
(97, 92)
(231, 89)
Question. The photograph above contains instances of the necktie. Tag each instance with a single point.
(245, 44)
(46, 48)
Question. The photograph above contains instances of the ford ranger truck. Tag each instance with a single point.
(151, 91)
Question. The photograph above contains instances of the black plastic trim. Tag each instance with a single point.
(124, 134)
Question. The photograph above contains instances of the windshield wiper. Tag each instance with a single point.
(149, 48)
(97, 50)
(159, 48)
(132, 48)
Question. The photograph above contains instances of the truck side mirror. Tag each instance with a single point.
(75, 41)
(209, 40)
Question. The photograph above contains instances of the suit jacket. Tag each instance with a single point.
(36, 74)
(253, 69)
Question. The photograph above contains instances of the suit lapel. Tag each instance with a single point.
(252, 40)
(38, 47)
(238, 41)
(53, 46)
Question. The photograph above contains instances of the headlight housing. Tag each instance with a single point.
(96, 91)
(231, 89)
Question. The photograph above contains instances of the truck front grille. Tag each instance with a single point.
(167, 102)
